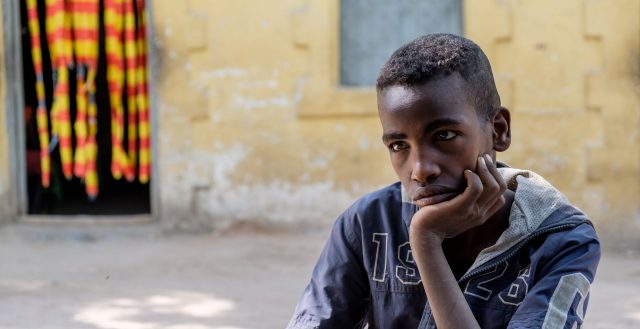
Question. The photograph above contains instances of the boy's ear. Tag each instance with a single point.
(501, 122)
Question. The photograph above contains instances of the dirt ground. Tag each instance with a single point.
(141, 279)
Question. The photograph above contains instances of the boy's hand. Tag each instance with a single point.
(482, 198)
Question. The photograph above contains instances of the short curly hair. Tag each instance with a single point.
(437, 55)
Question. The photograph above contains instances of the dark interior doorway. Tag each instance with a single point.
(68, 197)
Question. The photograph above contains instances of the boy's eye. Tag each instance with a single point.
(445, 135)
(398, 146)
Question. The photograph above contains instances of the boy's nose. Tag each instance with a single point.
(425, 169)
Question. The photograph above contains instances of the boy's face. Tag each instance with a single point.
(433, 134)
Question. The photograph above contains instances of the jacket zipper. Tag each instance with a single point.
(522, 244)
(511, 254)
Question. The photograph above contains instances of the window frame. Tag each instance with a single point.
(321, 94)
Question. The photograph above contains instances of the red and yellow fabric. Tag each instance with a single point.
(42, 118)
(91, 146)
(72, 31)
(61, 121)
(144, 159)
(113, 19)
(80, 125)
(58, 25)
(131, 62)
(85, 17)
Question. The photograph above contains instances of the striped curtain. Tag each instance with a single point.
(72, 36)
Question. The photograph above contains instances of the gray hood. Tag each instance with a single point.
(534, 201)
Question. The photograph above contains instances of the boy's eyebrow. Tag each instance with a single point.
(437, 123)
(393, 136)
(433, 125)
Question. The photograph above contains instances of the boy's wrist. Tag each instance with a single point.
(424, 237)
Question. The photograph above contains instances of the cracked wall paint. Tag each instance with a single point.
(315, 204)
(233, 124)
(256, 103)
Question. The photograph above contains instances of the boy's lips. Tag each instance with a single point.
(430, 195)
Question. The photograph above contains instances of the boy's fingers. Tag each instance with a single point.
(494, 172)
(491, 187)
(495, 207)
(474, 188)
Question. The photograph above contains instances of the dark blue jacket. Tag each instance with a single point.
(537, 275)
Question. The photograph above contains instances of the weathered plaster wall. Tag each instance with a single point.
(570, 73)
(235, 143)
(253, 126)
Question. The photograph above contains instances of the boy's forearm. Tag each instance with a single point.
(449, 307)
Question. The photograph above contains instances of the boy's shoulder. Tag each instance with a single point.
(382, 210)
(388, 196)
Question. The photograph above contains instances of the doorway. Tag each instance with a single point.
(61, 193)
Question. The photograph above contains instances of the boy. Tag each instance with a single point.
(461, 241)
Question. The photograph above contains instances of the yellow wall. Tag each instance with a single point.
(570, 73)
(252, 124)
(249, 117)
